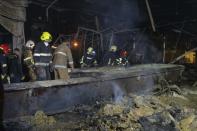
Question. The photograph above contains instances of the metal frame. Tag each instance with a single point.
(47, 9)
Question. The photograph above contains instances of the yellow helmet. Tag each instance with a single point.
(46, 36)
(113, 48)
(90, 49)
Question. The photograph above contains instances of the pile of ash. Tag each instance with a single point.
(134, 113)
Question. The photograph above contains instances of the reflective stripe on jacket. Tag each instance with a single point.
(62, 56)
(60, 66)
(42, 54)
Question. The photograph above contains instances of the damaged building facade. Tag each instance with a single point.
(12, 18)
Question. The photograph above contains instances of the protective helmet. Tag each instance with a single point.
(113, 48)
(90, 49)
(5, 48)
(46, 36)
(30, 44)
(123, 53)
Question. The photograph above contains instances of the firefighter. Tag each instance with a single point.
(123, 60)
(4, 66)
(28, 61)
(6, 48)
(15, 66)
(61, 56)
(89, 59)
(43, 57)
(111, 57)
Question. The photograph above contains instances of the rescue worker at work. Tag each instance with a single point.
(89, 59)
(43, 57)
(4, 67)
(111, 57)
(123, 60)
(61, 58)
(15, 66)
(28, 61)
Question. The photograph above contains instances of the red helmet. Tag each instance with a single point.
(123, 53)
(5, 47)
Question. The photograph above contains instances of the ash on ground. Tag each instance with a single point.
(133, 113)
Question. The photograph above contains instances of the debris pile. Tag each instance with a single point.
(41, 119)
(146, 113)
(164, 87)
(133, 113)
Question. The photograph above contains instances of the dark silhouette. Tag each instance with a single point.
(1, 102)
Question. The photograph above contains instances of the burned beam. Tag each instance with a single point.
(150, 15)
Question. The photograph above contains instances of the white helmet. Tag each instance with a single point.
(30, 44)
(113, 48)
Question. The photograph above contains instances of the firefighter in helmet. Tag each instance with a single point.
(110, 58)
(89, 58)
(123, 60)
(28, 61)
(62, 57)
(43, 57)
(3, 65)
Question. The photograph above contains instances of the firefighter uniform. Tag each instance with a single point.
(42, 58)
(89, 59)
(61, 56)
(123, 60)
(111, 58)
(29, 64)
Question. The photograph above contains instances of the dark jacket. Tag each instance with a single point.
(110, 58)
(89, 59)
(42, 54)
(14, 68)
(1, 102)
(3, 64)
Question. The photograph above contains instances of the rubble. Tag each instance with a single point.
(133, 113)
(164, 87)
(40, 118)
(185, 124)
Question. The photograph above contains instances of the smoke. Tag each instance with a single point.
(147, 48)
(118, 93)
(120, 13)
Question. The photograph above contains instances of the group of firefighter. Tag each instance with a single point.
(40, 62)
(111, 58)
